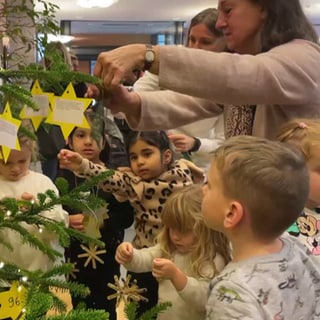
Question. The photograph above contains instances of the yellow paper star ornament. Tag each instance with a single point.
(9, 127)
(13, 302)
(68, 111)
(43, 101)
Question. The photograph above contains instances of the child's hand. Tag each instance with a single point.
(124, 253)
(69, 159)
(182, 142)
(163, 268)
(93, 92)
(28, 196)
(76, 221)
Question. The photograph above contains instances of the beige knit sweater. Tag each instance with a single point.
(283, 83)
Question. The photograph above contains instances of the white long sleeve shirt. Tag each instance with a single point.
(188, 303)
(24, 255)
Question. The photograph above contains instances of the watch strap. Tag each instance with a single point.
(196, 145)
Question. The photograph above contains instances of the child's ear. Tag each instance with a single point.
(167, 156)
(69, 144)
(234, 216)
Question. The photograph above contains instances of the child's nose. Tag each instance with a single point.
(15, 167)
(88, 140)
(141, 160)
(175, 235)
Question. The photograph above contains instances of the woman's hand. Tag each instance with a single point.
(124, 253)
(69, 159)
(118, 99)
(119, 64)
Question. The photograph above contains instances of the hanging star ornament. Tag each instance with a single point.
(13, 302)
(74, 270)
(92, 254)
(9, 127)
(43, 100)
(126, 290)
(68, 111)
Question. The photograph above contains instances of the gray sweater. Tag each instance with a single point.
(284, 285)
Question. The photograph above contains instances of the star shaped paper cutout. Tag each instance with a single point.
(14, 310)
(91, 254)
(68, 111)
(9, 127)
(43, 100)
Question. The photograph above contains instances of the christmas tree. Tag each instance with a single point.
(28, 294)
(25, 294)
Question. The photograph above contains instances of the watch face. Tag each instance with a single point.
(149, 56)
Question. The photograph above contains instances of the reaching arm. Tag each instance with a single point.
(142, 259)
(287, 74)
(116, 184)
(168, 110)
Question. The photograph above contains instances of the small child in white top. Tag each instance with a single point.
(17, 181)
(188, 255)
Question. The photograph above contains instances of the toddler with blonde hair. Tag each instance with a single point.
(187, 256)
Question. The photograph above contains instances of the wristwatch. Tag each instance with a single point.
(149, 57)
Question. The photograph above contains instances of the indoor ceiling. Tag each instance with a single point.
(127, 15)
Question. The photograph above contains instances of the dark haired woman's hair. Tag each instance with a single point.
(157, 139)
(285, 21)
(208, 17)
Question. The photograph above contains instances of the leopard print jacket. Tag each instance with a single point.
(146, 197)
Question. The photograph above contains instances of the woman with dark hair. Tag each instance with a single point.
(195, 140)
(271, 76)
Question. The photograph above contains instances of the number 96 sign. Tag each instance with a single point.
(12, 302)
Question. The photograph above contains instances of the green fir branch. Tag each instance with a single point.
(130, 310)
(80, 315)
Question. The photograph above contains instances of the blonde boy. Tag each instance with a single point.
(256, 189)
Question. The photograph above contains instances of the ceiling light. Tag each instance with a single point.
(96, 3)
